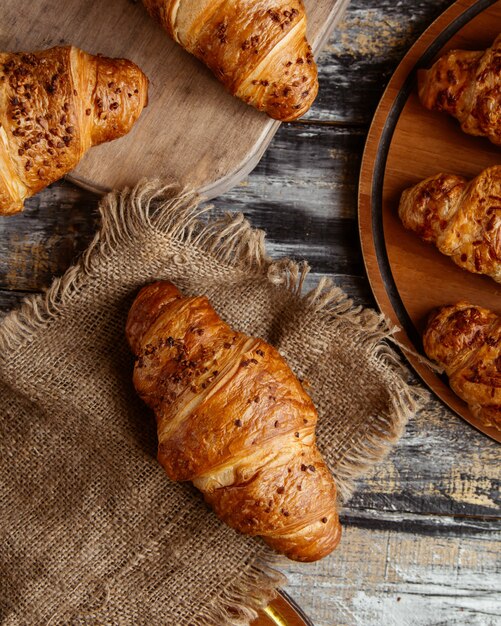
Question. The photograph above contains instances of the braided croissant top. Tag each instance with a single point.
(54, 105)
(233, 418)
(466, 341)
(467, 85)
(462, 218)
(258, 50)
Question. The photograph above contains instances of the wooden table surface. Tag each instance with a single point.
(422, 542)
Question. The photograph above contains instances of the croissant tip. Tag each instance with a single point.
(293, 110)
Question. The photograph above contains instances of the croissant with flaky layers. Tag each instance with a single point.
(54, 105)
(466, 341)
(467, 85)
(462, 218)
(258, 50)
(233, 418)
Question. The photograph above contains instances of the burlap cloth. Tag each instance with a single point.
(92, 531)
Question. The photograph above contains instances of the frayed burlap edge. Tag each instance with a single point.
(230, 241)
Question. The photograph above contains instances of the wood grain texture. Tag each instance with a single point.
(358, 60)
(424, 525)
(192, 131)
(10, 300)
(400, 578)
(441, 467)
(41, 242)
(423, 144)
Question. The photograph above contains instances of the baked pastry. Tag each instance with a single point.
(233, 418)
(258, 50)
(462, 218)
(467, 85)
(466, 341)
(54, 105)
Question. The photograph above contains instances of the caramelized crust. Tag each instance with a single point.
(258, 50)
(233, 418)
(466, 341)
(467, 85)
(54, 105)
(463, 219)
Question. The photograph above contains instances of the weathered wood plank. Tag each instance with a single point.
(310, 172)
(396, 578)
(363, 52)
(41, 242)
(420, 524)
(10, 300)
(441, 466)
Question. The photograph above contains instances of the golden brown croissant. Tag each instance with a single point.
(258, 50)
(233, 418)
(467, 85)
(466, 341)
(462, 218)
(54, 105)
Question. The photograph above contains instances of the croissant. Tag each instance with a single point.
(54, 105)
(258, 50)
(466, 341)
(233, 418)
(462, 218)
(467, 85)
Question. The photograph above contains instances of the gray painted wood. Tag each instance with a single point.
(362, 53)
(392, 577)
(422, 533)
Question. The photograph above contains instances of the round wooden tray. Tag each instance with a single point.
(406, 144)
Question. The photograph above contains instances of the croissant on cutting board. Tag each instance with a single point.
(467, 85)
(258, 50)
(54, 105)
(233, 418)
(466, 341)
(462, 218)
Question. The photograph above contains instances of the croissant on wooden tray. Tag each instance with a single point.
(466, 341)
(233, 418)
(467, 85)
(54, 105)
(462, 218)
(258, 50)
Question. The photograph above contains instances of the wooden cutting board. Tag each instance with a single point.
(192, 132)
(407, 144)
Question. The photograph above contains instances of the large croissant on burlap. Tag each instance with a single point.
(461, 217)
(54, 105)
(233, 418)
(467, 85)
(258, 50)
(466, 340)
